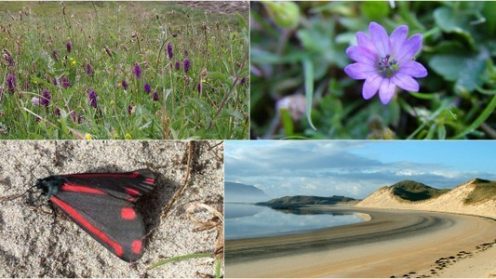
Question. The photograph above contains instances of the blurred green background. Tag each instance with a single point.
(297, 77)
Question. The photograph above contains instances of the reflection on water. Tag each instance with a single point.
(248, 220)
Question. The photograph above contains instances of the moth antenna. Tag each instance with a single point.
(16, 196)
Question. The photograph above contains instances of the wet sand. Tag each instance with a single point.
(393, 243)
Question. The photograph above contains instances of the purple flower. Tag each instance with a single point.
(92, 97)
(45, 98)
(64, 82)
(178, 66)
(56, 111)
(155, 96)
(242, 81)
(124, 84)
(89, 69)
(8, 58)
(186, 65)
(170, 52)
(11, 82)
(385, 62)
(68, 45)
(137, 71)
(147, 88)
(199, 87)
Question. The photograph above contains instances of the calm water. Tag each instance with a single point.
(246, 221)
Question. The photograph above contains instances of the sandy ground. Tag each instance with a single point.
(396, 243)
(36, 244)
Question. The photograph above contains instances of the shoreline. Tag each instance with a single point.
(393, 243)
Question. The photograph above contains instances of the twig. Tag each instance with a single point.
(187, 175)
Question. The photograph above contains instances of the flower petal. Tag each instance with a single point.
(409, 49)
(386, 91)
(364, 40)
(405, 82)
(414, 69)
(359, 70)
(361, 54)
(371, 86)
(397, 38)
(379, 38)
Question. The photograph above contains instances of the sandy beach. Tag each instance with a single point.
(393, 243)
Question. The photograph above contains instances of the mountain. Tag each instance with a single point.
(237, 192)
(289, 202)
(477, 197)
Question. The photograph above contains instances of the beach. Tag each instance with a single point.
(395, 243)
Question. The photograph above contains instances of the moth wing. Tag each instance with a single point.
(115, 223)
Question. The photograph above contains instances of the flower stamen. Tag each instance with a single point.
(387, 66)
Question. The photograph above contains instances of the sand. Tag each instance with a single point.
(36, 244)
(393, 243)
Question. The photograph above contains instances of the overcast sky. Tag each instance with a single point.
(355, 168)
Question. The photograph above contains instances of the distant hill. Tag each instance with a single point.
(415, 191)
(477, 197)
(289, 202)
(237, 192)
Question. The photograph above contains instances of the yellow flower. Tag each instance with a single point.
(128, 136)
(72, 61)
(88, 136)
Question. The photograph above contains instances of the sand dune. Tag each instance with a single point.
(452, 201)
(393, 243)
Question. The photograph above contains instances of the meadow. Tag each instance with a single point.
(305, 85)
(122, 70)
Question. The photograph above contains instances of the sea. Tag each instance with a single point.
(252, 221)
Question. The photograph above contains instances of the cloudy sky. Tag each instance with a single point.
(355, 168)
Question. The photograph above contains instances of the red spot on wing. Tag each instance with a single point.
(132, 192)
(81, 189)
(128, 213)
(94, 231)
(136, 246)
(150, 181)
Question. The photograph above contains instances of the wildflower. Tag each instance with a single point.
(92, 97)
(88, 136)
(170, 52)
(242, 81)
(8, 58)
(294, 104)
(76, 117)
(108, 51)
(45, 98)
(186, 65)
(147, 88)
(178, 66)
(64, 82)
(130, 109)
(385, 62)
(72, 62)
(56, 111)
(68, 45)
(128, 136)
(124, 84)
(199, 87)
(35, 101)
(137, 70)
(55, 55)
(89, 69)
(11, 82)
(155, 96)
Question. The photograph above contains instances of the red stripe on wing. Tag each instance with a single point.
(132, 192)
(69, 187)
(88, 226)
(150, 181)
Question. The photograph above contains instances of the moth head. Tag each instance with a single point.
(50, 185)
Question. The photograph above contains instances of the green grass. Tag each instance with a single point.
(483, 191)
(216, 44)
(415, 191)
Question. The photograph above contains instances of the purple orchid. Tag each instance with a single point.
(155, 96)
(385, 62)
(11, 82)
(137, 70)
(186, 65)
(124, 84)
(147, 88)
(45, 98)
(170, 52)
(92, 98)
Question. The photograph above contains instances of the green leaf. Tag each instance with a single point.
(287, 122)
(375, 10)
(451, 21)
(482, 117)
(308, 70)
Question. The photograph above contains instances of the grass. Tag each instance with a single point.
(415, 191)
(112, 37)
(483, 191)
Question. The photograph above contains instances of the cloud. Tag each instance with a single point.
(283, 168)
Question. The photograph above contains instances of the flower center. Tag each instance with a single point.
(387, 66)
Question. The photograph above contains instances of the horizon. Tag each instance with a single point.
(354, 168)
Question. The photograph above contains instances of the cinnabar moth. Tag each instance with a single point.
(103, 204)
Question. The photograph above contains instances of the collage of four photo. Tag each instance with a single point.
(248, 139)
